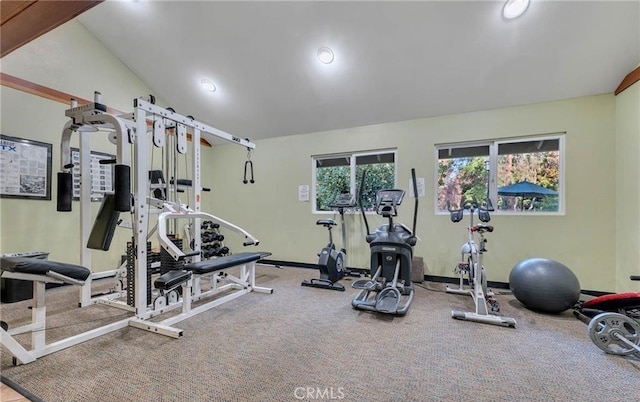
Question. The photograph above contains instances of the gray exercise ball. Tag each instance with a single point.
(544, 285)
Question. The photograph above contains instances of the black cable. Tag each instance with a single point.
(80, 323)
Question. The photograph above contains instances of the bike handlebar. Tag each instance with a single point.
(472, 203)
(482, 228)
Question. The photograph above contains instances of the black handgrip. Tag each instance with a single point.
(415, 194)
(122, 188)
(107, 161)
(635, 277)
(414, 182)
(364, 215)
(206, 189)
(65, 191)
(456, 215)
(182, 182)
(250, 164)
(250, 243)
(189, 254)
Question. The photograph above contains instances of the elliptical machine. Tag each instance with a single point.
(332, 262)
(486, 306)
(391, 253)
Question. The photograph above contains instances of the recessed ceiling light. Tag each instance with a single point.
(208, 85)
(514, 8)
(325, 55)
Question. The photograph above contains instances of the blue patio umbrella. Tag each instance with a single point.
(526, 189)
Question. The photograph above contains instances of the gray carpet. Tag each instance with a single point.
(264, 347)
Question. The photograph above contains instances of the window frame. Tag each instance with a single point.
(352, 174)
(494, 145)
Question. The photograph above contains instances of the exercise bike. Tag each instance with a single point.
(613, 321)
(332, 262)
(390, 290)
(486, 306)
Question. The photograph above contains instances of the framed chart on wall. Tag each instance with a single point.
(25, 168)
(101, 174)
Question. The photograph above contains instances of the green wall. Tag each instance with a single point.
(628, 187)
(587, 238)
(71, 60)
(583, 238)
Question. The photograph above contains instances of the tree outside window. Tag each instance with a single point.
(339, 174)
(526, 177)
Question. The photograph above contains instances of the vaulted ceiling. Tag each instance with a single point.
(393, 60)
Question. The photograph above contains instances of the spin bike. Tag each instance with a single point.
(613, 321)
(332, 262)
(487, 307)
(391, 253)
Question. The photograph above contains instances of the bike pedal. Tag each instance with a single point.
(494, 306)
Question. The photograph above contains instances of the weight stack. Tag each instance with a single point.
(149, 261)
(131, 273)
(167, 263)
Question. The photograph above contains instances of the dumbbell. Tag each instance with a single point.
(207, 237)
(217, 237)
(207, 251)
(222, 251)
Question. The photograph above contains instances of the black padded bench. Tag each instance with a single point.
(220, 263)
(35, 266)
(171, 279)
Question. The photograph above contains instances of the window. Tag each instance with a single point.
(519, 176)
(339, 174)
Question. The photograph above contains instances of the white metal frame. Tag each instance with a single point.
(478, 283)
(132, 133)
(37, 327)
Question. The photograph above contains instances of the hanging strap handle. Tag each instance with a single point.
(248, 163)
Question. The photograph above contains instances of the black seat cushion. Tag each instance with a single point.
(216, 264)
(171, 279)
(37, 266)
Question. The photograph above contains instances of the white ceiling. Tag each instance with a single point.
(394, 60)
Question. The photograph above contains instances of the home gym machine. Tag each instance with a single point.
(208, 283)
(613, 321)
(331, 262)
(391, 253)
(487, 306)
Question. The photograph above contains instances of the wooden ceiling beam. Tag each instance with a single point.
(629, 80)
(58, 96)
(23, 21)
(9, 9)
